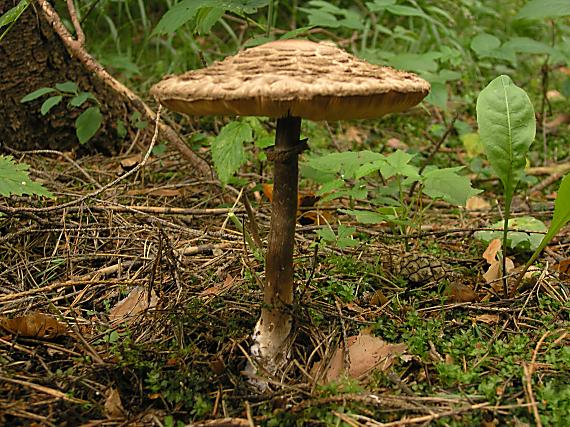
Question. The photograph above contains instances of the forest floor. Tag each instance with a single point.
(174, 351)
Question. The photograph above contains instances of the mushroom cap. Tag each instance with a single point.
(316, 81)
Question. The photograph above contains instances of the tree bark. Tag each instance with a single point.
(38, 51)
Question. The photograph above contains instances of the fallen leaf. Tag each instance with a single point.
(378, 298)
(489, 319)
(34, 325)
(494, 272)
(563, 267)
(458, 292)
(396, 144)
(559, 120)
(133, 304)
(218, 288)
(130, 162)
(477, 203)
(366, 353)
(490, 254)
(113, 405)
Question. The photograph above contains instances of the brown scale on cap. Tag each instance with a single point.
(315, 81)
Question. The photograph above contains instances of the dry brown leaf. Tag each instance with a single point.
(563, 267)
(219, 288)
(366, 353)
(113, 405)
(378, 298)
(489, 319)
(34, 325)
(554, 95)
(396, 144)
(477, 203)
(134, 303)
(559, 120)
(130, 162)
(458, 292)
(494, 271)
(490, 254)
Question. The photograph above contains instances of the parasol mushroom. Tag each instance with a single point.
(288, 80)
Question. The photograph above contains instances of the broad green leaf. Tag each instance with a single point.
(14, 179)
(37, 93)
(50, 103)
(397, 163)
(483, 43)
(448, 185)
(228, 152)
(78, 100)
(527, 45)
(507, 128)
(521, 239)
(87, 124)
(206, 18)
(296, 33)
(346, 164)
(68, 87)
(539, 9)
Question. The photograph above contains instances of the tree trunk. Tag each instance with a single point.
(34, 56)
(38, 51)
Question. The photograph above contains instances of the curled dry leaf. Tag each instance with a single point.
(458, 292)
(218, 288)
(366, 353)
(494, 272)
(113, 405)
(134, 303)
(490, 254)
(34, 325)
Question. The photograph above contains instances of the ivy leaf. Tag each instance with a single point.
(14, 179)
(448, 185)
(228, 152)
(87, 124)
(49, 103)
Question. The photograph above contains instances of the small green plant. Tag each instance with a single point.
(88, 122)
(507, 126)
(14, 180)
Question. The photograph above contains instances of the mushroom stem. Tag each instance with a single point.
(272, 331)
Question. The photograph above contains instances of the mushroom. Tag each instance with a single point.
(288, 80)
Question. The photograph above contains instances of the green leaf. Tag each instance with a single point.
(228, 152)
(484, 43)
(206, 18)
(472, 144)
(182, 12)
(87, 124)
(521, 239)
(367, 217)
(528, 45)
(507, 128)
(539, 9)
(14, 179)
(78, 100)
(448, 185)
(379, 5)
(50, 103)
(397, 163)
(296, 33)
(14, 13)
(405, 11)
(560, 218)
(37, 93)
(68, 87)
